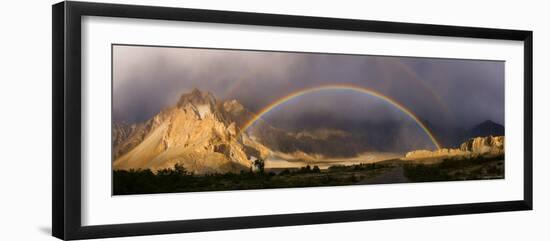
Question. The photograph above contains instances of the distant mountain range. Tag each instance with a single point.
(454, 137)
(486, 128)
(204, 134)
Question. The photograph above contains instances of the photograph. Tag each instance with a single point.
(192, 119)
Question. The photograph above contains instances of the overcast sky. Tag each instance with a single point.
(444, 92)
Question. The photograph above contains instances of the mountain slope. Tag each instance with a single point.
(198, 133)
(486, 128)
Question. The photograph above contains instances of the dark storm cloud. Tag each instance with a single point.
(443, 92)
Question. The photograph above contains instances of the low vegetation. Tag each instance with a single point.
(458, 168)
(178, 179)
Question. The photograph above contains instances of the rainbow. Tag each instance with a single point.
(360, 89)
(411, 73)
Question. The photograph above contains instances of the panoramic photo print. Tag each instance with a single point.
(198, 119)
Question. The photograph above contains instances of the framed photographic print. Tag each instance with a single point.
(170, 120)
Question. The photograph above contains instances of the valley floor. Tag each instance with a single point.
(385, 172)
(276, 163)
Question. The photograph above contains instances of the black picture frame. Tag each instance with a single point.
(66, 75)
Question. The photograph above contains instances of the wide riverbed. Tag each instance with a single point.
(371, 157)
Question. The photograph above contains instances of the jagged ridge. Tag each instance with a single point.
(198, 132)
(490, 145)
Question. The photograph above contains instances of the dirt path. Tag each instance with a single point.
(395, 175)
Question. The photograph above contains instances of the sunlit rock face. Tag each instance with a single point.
(199, 133)
(482, 145)
(490, 145)
(437, 153)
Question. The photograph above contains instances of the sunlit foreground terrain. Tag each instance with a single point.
(443, 165)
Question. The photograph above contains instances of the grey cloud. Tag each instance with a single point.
(449, 93)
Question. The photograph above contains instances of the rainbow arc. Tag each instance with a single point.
(350, 87)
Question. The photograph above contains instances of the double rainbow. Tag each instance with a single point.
(350, 87)
(412, 74)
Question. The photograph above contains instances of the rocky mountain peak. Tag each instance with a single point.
(197, 97)
(198, 132)
(233, 107)
(202, 103)
(487, 128)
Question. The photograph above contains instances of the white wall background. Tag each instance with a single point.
(25, 119)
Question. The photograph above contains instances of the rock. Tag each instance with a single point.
(197, 132)
(482, 145)
(437, 153)
(493, 145)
